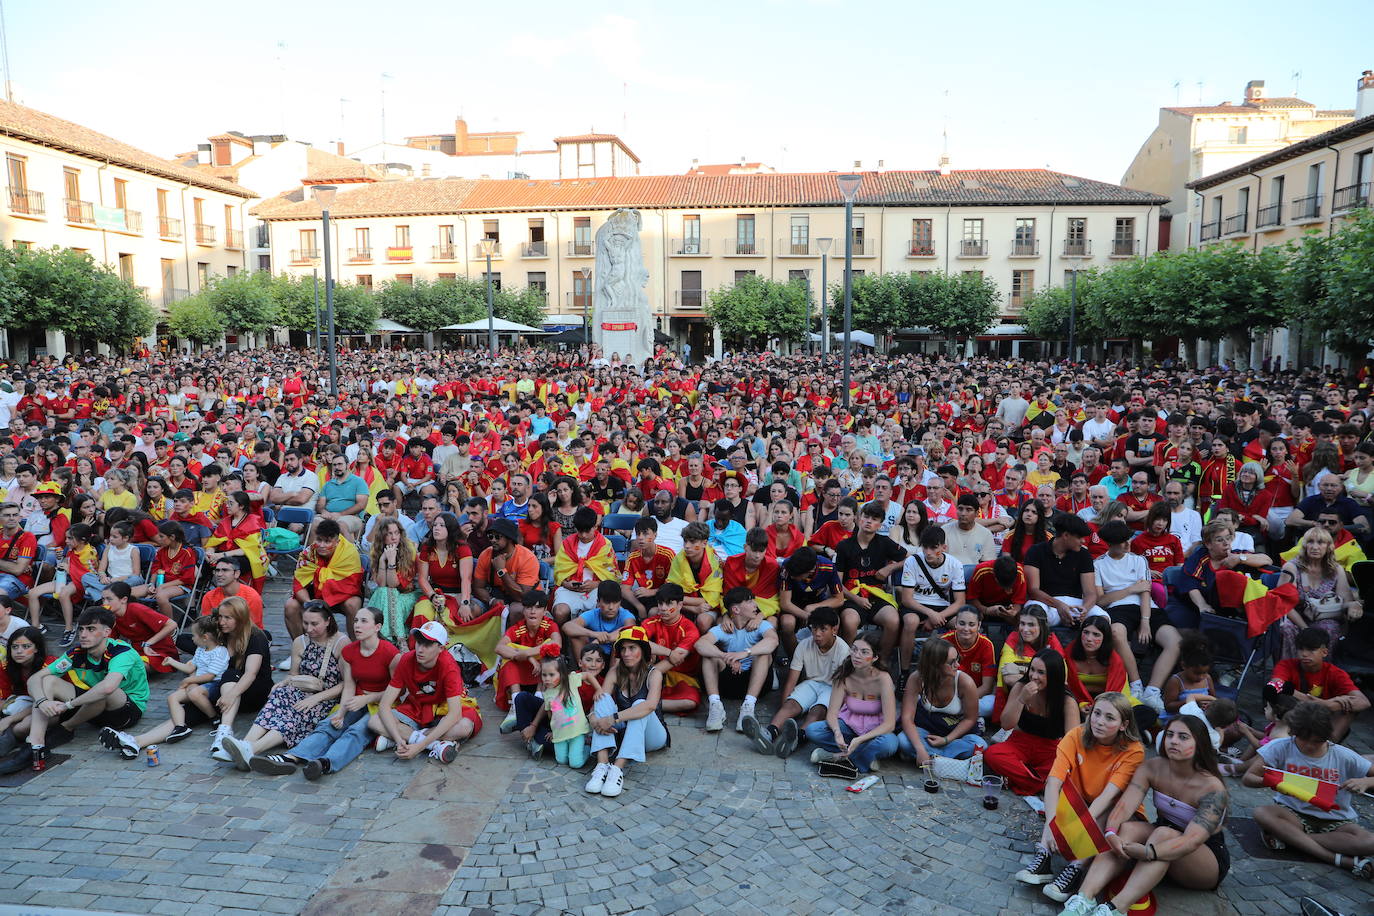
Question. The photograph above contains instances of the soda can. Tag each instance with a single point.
(153, 759)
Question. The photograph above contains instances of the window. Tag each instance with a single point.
(581, 292)
(198, 208)
(1023, 242)
(126, 268)
(161, 204)
(973, 245)
(203, 274)
(1276, 190)
(1362, 169)
(121, 194)
(974, 273)
(308, 248)
(536, 230)
(1076, 241)
(491, 229)
(231, 270)
(801, 234)
(1022, 283)
(1237, 134)
(228, 219)
(1123, 236)
(264, 262)
(689, 296)
(537, 279)
(169, 275)
(858, 273)
(402, 236)
(18, 174)
(973, 230)
(78, 211)
(21, 246)
(795, 276)
(450, 277)
(495, 279)
(744, 234)
(536, 247)
(858, 227)
(362, 241)
(1217, 203)
(741, 274)
(407, 279)
(223, 156)
(582, 236)
(922, 237)
(365, 281)
(691, 233)
(446, 249)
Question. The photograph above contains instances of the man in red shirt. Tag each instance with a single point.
(141, 627)
(997, 589)
(646, 568)
(425, 706)
(18, 550)
(1310, 676)
(672, 641)
(1139, 500)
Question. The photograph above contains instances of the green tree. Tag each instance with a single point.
(196, 319)
(525, 306)
(246, 301)
(354, 306)
(960, 305)
(67, 290)
(880, 304)
(754, 309)
(1344, 268)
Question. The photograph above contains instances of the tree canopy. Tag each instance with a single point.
(68, 290)
(951, 305)
(755, 308)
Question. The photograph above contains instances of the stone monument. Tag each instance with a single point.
(621, 320)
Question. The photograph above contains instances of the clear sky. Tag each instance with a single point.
(797, 84)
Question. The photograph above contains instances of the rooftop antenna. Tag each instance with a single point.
(384, 78)
(5, 54)
(1297, 81)
(342, 102)
(1177, 99)
(281, 83)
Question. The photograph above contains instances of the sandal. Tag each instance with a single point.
(1360, 867)
(1272, 843)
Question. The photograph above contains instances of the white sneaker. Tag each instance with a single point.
(598, 780)
(383, 744)
(1002, 735)
(821, 755)
(217, 751)
(614, 783)
(443, 751)
(1153, 698)
(1077, 905)
(240, 752)
(745, 712)
(284, 665)
(416, 736)
(715, 717)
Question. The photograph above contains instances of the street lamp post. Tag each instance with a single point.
(586, 274)
(849, 187)
(325, 195)
(1073, 308)
(488, 248)
(824, 246)
(319, 345)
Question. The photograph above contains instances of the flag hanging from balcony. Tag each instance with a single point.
(400, 253)
(111, 218)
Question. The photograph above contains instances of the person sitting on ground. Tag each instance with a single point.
(809, 683)
(861, 714)
(394, 572)
(757, 570)
(1185, 844)
(305, 698)
(735, 660)
(26, 655)
(561, 706)
(1327, 833)
(997, 589)
(246, 683)
(1095, 666)
(142, 627)
(367, 664)
(939, 708)
(330, 571)
(697, 571)
(1100, 758)
(626, 715)
(931, 591)
(601, 625)
(1039, 711)
(976, 656)
(1123, 579)
(519, 649)
(1193, 682)
(585, 559)
(646, 568)
(425, 707)
(1031, 636)
(101, 680)
(506, 569)
(209, 662)
(808, 583)
(1310, 677)
(672, 646)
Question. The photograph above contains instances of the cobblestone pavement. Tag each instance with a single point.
(706, 826)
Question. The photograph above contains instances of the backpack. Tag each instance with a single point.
(281, 539)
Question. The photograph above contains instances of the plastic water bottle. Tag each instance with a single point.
(61, 578)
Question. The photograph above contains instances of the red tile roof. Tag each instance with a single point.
(47, 130)
(993, 187)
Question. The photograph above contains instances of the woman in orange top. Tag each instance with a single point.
(1099, 758)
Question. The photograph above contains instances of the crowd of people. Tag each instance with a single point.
(974, 562)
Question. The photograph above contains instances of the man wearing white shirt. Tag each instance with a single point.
(1185, 523)
(1100, 430)
(9, 399)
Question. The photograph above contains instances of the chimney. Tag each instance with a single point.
(1364, 95)
(339, 147)
(203, 154)
(1254, 91)
(944, 163)
(858, 165)
(460, 137)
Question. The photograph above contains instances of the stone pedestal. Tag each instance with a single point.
(621, 320)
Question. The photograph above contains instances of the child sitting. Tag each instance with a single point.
(200, 688)
(1194, 679)
(599, 625)
(519, 648)
(66, 585)
(1276, 706)
(1310, 676)
(563, 708)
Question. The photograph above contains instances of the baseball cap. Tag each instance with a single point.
(431, 630)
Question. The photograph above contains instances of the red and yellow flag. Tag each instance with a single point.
(335, 578)
(1304, 788)
(480, 634)
(246, 537)
(1263, 605)
(1074, 829)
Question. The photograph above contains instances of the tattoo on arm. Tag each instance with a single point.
(1211, 811)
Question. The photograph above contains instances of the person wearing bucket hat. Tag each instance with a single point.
(506, 569)
(425, 707)
(626, 716)
(49, 525)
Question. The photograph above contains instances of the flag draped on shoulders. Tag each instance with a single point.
(599, 559)
(336, 578)
(707, 586)
(245, 536)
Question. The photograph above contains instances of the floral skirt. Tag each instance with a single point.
(279, 713)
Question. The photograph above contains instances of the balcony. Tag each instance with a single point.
(360, 255)
(745, 247)
(1125, 248)
(400, 254)
(863, 248)
(1271, 215)
(1210, 231)
(170, 295)
(581, 249)
(1309, 207)
(1235, 224)
(133, 221)
(688, 300)
(447, 252)
(79, 212)
(1350, 197)
(973, 248)
(920, 248)
(794, 249)
(169, 228)
(305, 255)
(690, 247)
(233, 239)
(539, 249)
(262, 236)
(1077, 248)
(205, 234)
(1025, 248)
(26, 203)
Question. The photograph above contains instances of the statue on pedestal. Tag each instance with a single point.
(622, 322)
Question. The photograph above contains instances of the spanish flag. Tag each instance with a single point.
(1145, 906)
(1347, 552)
(1074, 829)
(1262, 605)
(599, 560)
(708, 587)
(335, 578)
(246, 536)
(1314, 791)
(480, 634)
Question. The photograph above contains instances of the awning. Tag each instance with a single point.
(501, 325)
(387, 326)
(862, 338)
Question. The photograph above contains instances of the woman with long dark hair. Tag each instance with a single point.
(444, 573)
(626, 715)
(861, 716)
(27, 654)
(1038, 712)
(1030, 528)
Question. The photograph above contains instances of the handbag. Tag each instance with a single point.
(311, 683)
(1326, 608)
(840, 768)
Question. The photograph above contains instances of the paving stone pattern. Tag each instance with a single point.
(707, 826)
